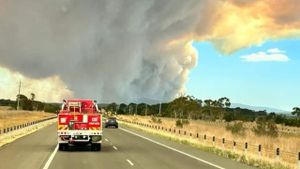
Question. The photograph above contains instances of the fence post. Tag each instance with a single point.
(277, 153)
(223, 142)
(179, 132)
(234, 145)
(184, 132)
(246, 147)
(191, 134)
(214, 139)
(259, 150)
(204, 136)
(298, 160)
(197, 135)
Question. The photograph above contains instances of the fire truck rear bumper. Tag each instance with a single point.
(76, 136)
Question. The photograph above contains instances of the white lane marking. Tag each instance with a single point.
(115, 147)
(129, 162)
(51, 158)
(106, 140)
(171, 148)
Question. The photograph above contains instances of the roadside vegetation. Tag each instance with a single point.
(10, 117)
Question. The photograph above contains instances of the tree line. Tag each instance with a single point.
(30, 104)
(189, 107)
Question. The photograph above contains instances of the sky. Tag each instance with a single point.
(248, 76)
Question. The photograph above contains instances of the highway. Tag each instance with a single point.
(122, 148)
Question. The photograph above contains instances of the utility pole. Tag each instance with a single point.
(18, 98)
(117, 108)
(146, 110)
(136, 108)
(159, 109)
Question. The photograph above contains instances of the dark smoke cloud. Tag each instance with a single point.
(110, 50)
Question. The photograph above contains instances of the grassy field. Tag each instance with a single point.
(288, 140)
(9, 118)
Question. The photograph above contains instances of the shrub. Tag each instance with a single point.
(50, 108)
(236, 128)
(156, 120)
(153, 119)
(265, 127)
(159, 121)
(179, 123)
(185, 122)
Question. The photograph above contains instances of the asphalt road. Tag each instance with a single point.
(121, 149)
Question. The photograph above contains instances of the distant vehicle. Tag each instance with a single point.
(79, 123)
(111, 122)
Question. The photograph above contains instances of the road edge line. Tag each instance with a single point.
(171, 148)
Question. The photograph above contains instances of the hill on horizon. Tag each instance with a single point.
(259, 108)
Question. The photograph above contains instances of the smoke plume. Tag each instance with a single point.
(124, 50)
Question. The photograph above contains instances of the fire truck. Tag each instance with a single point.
(79, 123)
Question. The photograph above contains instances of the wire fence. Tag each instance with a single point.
(232, 145)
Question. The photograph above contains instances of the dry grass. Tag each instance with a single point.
(9, 118)
(288, 144)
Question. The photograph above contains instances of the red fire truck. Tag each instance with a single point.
(79, 123)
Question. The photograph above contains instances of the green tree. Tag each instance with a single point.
(131, 108)
(122, 109)
(208, 103)
(25, 103)
(200, 102)
(179, 105)
(220, 102)
(223, 102)
(32, 96)
(227, 102)
(296, 111)
(112, 107)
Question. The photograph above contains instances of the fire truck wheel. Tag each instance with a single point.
(96, 147)
(63, 147)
